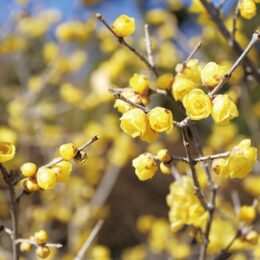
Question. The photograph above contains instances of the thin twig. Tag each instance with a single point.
(146, 110)
(254, 39)
(193, 52)
(8, 178)
(236, 201)
(197, 188)
(148, 45)
(124, 43)
(214, 14)
(221, 4)
(213, 189)
(89, 240)
(6, 230)
(234, 24)
(33, 242)
(212, 157)
(105, 186)
(224, 254)
(22, 193)
(60, 159)
(211, 209)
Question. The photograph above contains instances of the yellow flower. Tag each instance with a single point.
(122, 106)
(139, 83)
(165, 81)
(223, 109)
(145, 166)
(160, 119)
(181, 87)
(197, 104)
(191, 71)
(185, 207)
(62, 171)
(212, 73)
(239, 163)
(133, 122)
(100, 252)
(124, 26)
(247, 214)
(247, 8)
(7, 151)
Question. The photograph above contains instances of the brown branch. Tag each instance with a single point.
(197, 188)
(8, 178)
(254, 39)
(211, 208)
(124, 43)
(118, 95)
(224, 254)
(234, 24)
(221, 4)
(212, 157)
(60, 159)
(214, 14)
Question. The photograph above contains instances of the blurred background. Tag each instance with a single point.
(56, 66)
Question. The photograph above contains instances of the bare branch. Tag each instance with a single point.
(89, 240)
(32, 242)
(197, 188)
(124, 43)
(234, 26)
(60, 159)
(193, 52)
(214, 13)
(254, 39)
(8, 178)
(148, 45)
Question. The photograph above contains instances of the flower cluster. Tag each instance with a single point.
(239, 163)
(185, 207)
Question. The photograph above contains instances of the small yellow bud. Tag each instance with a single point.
(197, 104)
(25, 247)
(139, 83)
(165, 81)
(68, 151)
(165, 168)
(124, 26)
(40, 237)
(160, 119)
(164, 155)
(43, 251)
(31, 185)
(145, 166)
(252, 237)
(247, 214)
(28, 169)
(133, 122)
(46, 178)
